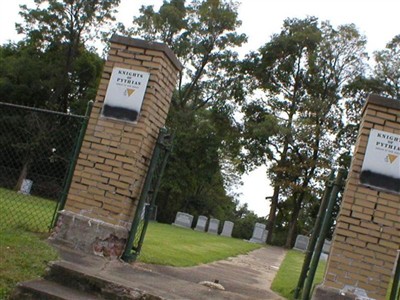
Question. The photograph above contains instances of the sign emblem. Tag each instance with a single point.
(130, 92)
(391, 158)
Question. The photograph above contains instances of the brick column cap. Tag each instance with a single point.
(148, 45)
(382, 101)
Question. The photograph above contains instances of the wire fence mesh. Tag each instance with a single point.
(36, 148)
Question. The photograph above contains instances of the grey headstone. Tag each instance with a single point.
(183, 220)
(228, 228)
(143, 211)
(213, 226)
(153, 214)
(201, 223)
(259, 233)
(323, 257)
(26, 186)
(264, 238)
(327, 247)
(301, 242)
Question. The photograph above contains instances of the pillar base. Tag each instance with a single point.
(348, 293)
(89, 235)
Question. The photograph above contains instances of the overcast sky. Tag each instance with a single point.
(378, 20)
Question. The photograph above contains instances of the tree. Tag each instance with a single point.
(278, 70)
(387, 68)
(27, 76)
(62, 28)
(202, 34)
(24, 75)
(340, 58)
(302, 72)
(384, 80)
(193, 180)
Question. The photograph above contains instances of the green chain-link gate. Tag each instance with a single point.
(147, 198)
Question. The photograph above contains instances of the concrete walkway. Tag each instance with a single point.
(248, 275)
(81, 276)
(243, 277)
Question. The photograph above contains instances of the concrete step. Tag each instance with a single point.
(48, 290)
(115, 280)
(78, 274)
(83, 280)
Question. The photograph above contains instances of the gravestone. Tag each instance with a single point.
(301, 242)
(259, 233)
(327, 247)
(26, 187)
(201, 223)
(228, 228)
(153, 214)
(213, 226)
(183, 220)
(264, 238)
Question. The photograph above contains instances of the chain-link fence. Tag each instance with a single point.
(36, 148)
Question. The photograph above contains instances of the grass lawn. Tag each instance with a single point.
(23, 256)
(174, 246)
(287, 277)
(24, 211)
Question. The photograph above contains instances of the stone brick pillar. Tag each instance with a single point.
(115, 154)
(367, 234)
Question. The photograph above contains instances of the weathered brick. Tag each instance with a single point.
(382, 221)
(389, 244)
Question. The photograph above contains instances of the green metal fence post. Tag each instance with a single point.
(150, 208)
(127, 255)
(315, 234)
(396, 280)
(324, 230)
(64, 194)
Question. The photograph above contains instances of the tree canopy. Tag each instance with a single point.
(203, 36)
(293, 105)
(61, 30)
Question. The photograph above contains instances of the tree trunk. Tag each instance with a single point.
(272, 214)
(293, 226)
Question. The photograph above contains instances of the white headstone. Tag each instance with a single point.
(259, 233)
(201, 223)
(143, 211)
(228, 228)
(26, 186)
(213, 226)
(264, 238)
(327, 247)
(183, 220)
(301, 242)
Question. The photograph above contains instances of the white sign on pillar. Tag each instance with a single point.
(381, 166)
(125, 93)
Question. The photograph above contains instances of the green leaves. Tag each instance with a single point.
(300, 74)
(203, 36)
(55, 21)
